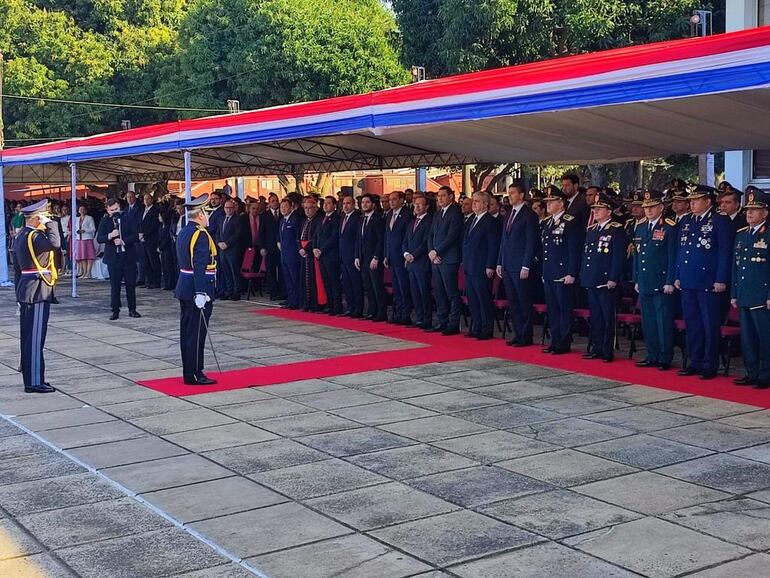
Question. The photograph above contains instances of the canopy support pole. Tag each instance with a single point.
(73, 226)
(4, 282)
(240, 188)
(187, 180)
(421, 179)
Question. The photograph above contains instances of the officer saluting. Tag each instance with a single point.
(653, 274)
(751, 290)
(601, 273)
(34, 248)
(195, 289)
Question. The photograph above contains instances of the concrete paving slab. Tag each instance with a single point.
(411, 462)
(306, 424)
(231, 397)
(204, 500)
(723, 472)
(715, 436)
(382, 413)
(424, 370)
(661, 549)
(524, 371)
(337, 399)
(37, 566)
(756, 420)
(644, 451)
(578, 383)
(704, 407)
(318, 479)
(641, 419)
(345, 557)
(378, 506)
(365, 379)
(453, 401)
(92, 522)
(219, 437)
(269, 529)
(166, 473)
(73, 490)
(759, 453)
(127, 452)
(65, 418)
(467, 379)
(106, 397)
(509, 415)
(430, 429)
(181, 421)
(558, 514)
(19, 446)
(641, 394)
(740, 521)
(518, 391)
(455, 537)
(355, 441)
(577, 404)
(265, 456)
(566, 467)
(93, 434)
(749, 567)
(226, 571)
(149, 555)
(34, 403)
(476, 486)
(146, 407)
(36, 467)
(406, 389)
(572, 432)
(264, 409)
(303, 387)
(495, 446)
(15, 542)
(650, 493)
(547, 559)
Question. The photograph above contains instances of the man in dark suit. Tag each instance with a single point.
(352, 282)
(269, 251)
(228, 239)
(134, 210)
(289, 231)
(369, 259)
(415, 251)
(730, 206)
(326, 249)
(149, 235)
(445, 252)
(119, 236)
(481, 244)
(397, 220)
(576, 204)
(519, 245)
(312, 295)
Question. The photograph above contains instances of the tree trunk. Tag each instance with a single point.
(283, 181)
(323, 184)
(299, 182)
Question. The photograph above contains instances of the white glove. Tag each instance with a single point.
(45, 220)
(201, 299)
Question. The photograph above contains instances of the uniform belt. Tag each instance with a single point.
(190, 272)
(35, 272)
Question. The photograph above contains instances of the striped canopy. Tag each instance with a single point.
(685, 96)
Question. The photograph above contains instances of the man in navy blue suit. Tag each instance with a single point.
(703, 274)
(481, 244)
(268, 233)
(326, 249)
(352, 283)
(519, 245)
(445, 252)
(289, 230)
(119, 235)
(149, 236)
(133, 211)
(415, 251)
(396, 223)
(228, 238)
(369, 258)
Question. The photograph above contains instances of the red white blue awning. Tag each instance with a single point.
(688, 96)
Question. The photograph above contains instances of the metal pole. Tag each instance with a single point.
(2, 126)
(73, 226)
(4, 282)
(240, 188)
(187, 179)
(421, 179)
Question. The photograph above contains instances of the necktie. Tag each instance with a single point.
(393, 219)
(510, 221)
(415, 225)
(227, 218)
(473, 224)
(344, 222)
(650, 228)
(363, 227)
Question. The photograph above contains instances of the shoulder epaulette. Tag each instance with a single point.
(630, 220)
(742, 229)
(567, 217)
(614, 224)
(671, 222)
(594, 226)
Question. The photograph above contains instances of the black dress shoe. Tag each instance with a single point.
(449, 332)
(560, 351)
(523, 344)
(688, 371)
(203, 379)
(471, 334)
(591, 356)
(484, 337)
(512, 342)
(761, 384)
(135, 314)
(45, 388)
(708, 375)
(115, 315)
(646, 363)
(664, 366)
(547, 350)
(609, 359)
(355, 316)
(743, 381)
(434, 329)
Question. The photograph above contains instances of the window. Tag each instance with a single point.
(763, 16)
(761, 165)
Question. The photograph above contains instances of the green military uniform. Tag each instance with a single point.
(655, 245)
(751, 290)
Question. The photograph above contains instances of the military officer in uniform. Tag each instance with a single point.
(751, 290)
(653, 275)
(195, 289)
(702, 274)
(560, 236)
(34, 247)
(601, 273)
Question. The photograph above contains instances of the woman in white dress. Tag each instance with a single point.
(85, 232)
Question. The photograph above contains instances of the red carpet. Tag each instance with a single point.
(441, 349)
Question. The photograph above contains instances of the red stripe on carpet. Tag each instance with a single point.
(334, 366)
(621, 369)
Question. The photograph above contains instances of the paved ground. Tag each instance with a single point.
(476, 469)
